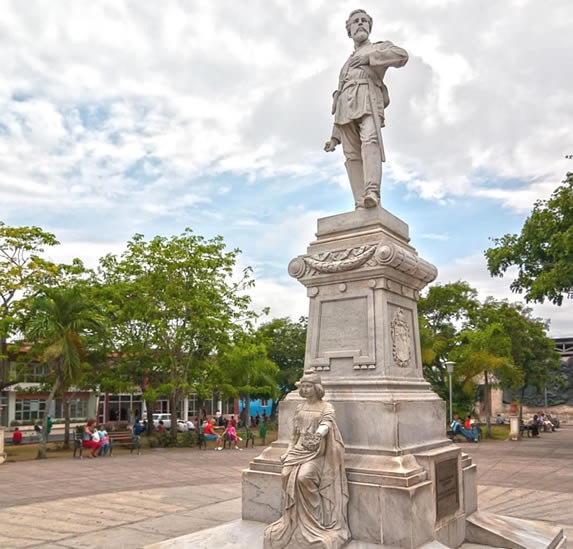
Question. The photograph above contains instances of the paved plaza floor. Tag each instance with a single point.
(130, 501)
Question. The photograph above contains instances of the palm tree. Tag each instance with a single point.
(60, 319)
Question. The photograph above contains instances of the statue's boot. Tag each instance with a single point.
(355, 173)
(372, 174)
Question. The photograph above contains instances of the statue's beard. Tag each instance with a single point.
(361, 34)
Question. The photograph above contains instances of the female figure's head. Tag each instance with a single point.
(310, 386)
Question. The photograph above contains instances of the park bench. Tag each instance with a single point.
(122, 438)
(452, 437)
(201, 440)
(78, 448)
(126, 439)
(245, 434)
(529, 429)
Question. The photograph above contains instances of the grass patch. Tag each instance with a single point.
(498, 432)
(55, 450)
(27, 452)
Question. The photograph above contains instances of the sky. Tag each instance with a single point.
(120, 117)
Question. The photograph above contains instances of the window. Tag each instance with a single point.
(4, 410)
(78, 408)
(28, 409)
(34, 372)
(121, 406)
(264, 402)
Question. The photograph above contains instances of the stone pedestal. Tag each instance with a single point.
(407, 482)
(513, 427)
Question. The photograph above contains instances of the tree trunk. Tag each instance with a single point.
(173, 401)
(66, 410)
(274, 408)
(149, 410)
(247, 419)
(44, 433)
(521, 404)
(487, 405)
(4, 365)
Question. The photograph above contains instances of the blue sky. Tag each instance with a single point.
(126, 116)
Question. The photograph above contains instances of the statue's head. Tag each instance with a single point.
(358, 18)
(310, 380)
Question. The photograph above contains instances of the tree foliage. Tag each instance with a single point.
(285, 340)
(492, 343)
(59, 319)
(247, 371)
(22, 270)
(543, 251)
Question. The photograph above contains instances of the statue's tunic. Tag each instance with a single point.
(352, 98)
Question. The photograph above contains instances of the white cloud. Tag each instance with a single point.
(473, 270)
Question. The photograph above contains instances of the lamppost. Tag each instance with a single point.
(450, 368)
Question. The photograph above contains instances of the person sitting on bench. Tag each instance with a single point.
(533, 426)
(231, 435)
(210, 434)
(469, 434)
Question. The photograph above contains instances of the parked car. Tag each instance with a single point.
(166, 418)
(184, 426)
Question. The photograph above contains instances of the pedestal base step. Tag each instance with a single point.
(511, 533)
(247, 534)
(484, 531)
(237, 534)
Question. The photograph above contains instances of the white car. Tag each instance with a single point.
(166, 418)
(184, 426)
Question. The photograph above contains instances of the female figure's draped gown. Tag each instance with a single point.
(315, 491)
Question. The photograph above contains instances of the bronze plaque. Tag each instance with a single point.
(447, 489)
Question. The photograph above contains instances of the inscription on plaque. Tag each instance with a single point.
(447, 492)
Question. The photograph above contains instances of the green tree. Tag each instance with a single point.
(59, 321)
(485, 351)
(532, 351)
(543, 251)
(247, 371)
(494, 341)
(21, 271)
(181, 306)
(285, 341)
(443, 312)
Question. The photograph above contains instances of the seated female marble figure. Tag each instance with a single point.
(315, 492)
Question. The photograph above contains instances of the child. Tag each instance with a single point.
(104, 441)
(232, 435)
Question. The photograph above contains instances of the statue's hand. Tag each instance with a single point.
(330, 145)
(283, 457)
(359, 59)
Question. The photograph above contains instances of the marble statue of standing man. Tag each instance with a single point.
(358, 108)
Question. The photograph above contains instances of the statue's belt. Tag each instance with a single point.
(354, 82)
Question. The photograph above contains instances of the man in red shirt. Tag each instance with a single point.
(16, 436)
(210, 434)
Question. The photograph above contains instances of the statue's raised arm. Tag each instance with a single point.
(358, 108)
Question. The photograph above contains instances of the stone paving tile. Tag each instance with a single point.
(177, 525)
(225, 511)
(16, 541)
(126, 538)
(28, 519)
